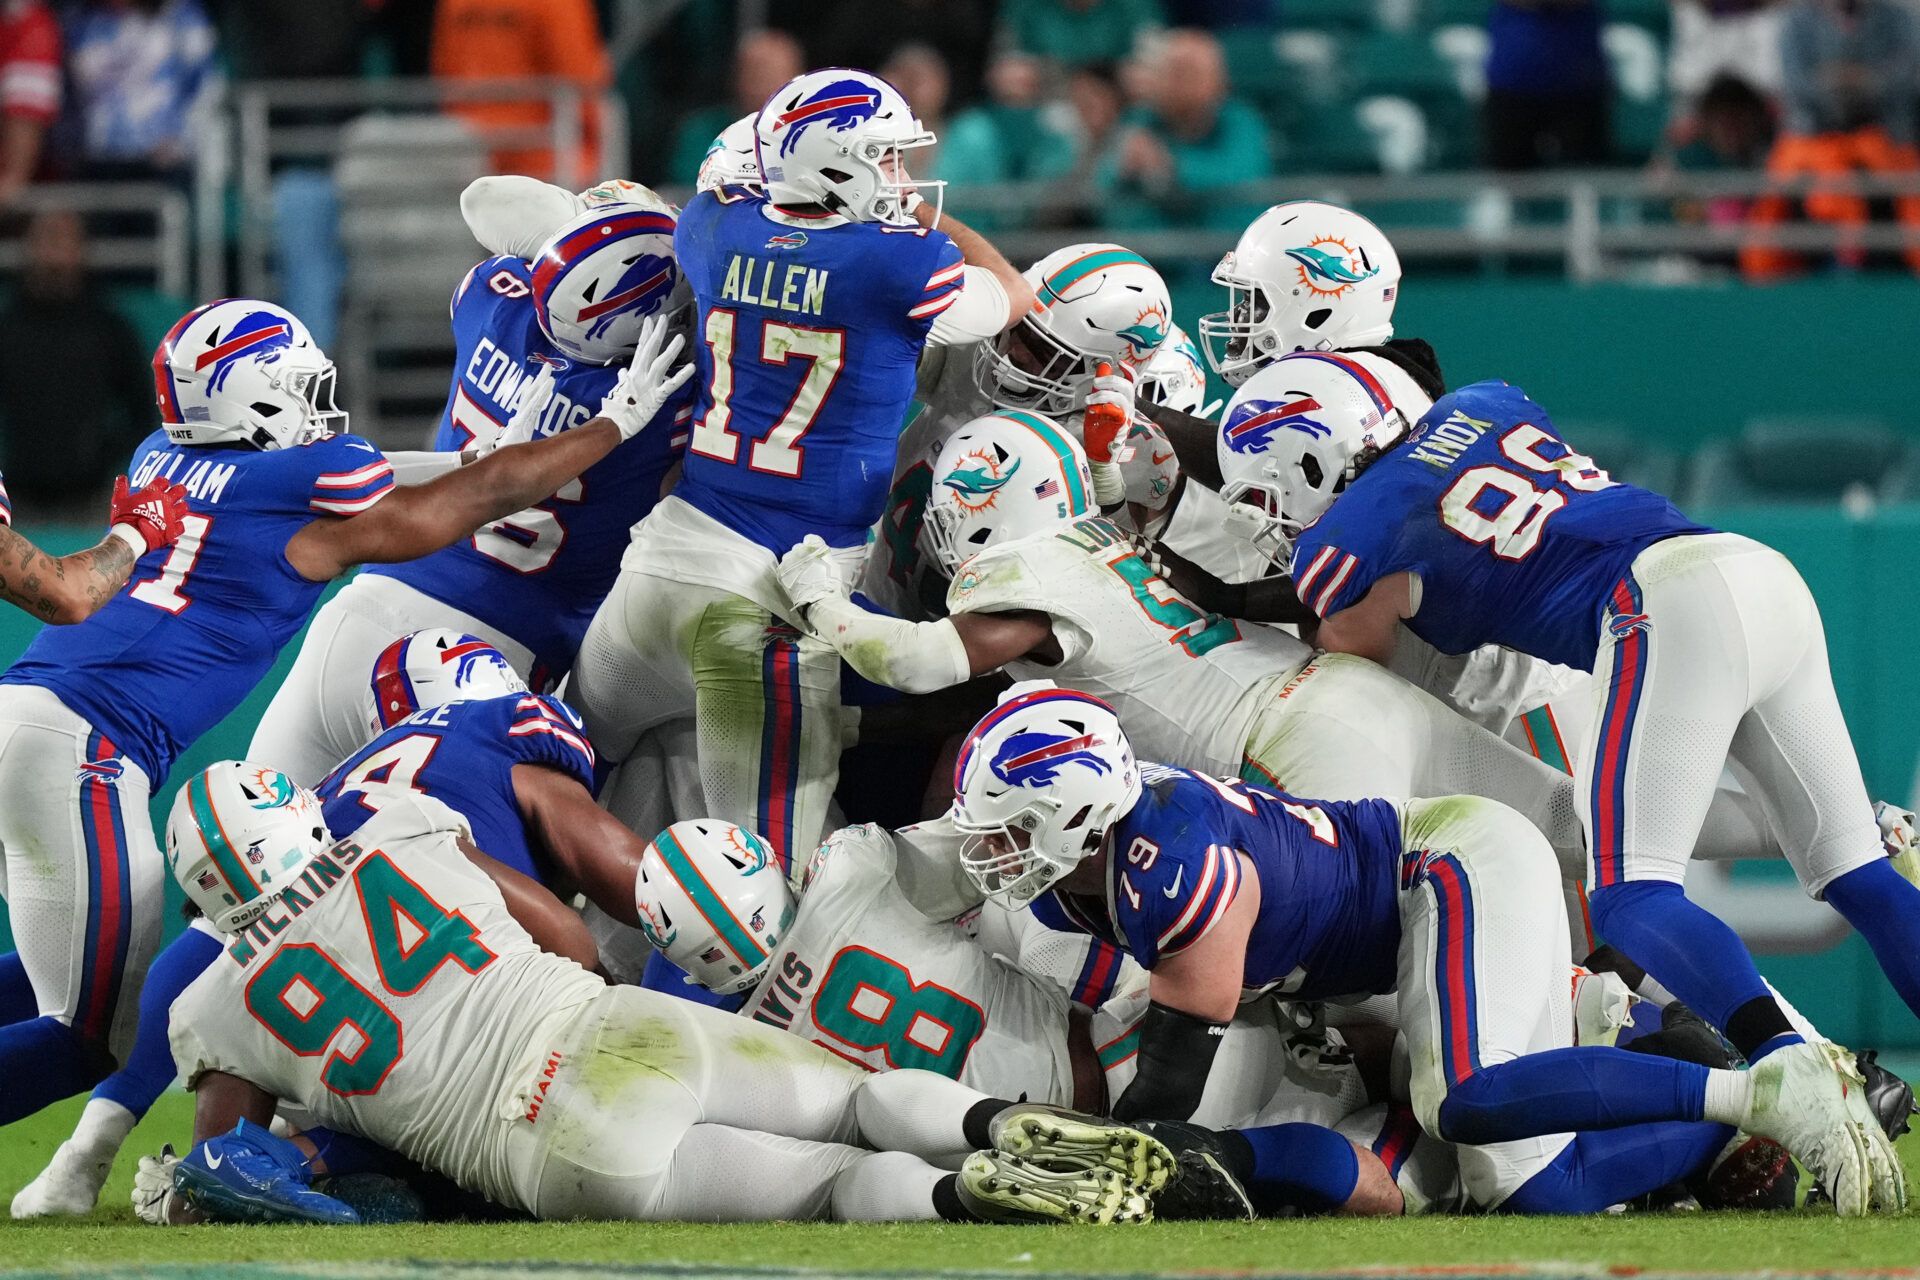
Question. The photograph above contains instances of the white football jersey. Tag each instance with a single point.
(865, 975)
(1186, 684)
(390, 994)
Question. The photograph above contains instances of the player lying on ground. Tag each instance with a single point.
(93, 716)
(393, 994)
(1219, 889)
(72, 588)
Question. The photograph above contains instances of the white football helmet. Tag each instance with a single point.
(712, 897)
(1304, 276)
(1096, 302)
(600, 276)
(433, 667)
(1175, 377)
(1038, 783)
(732, 160)
(1290, 441)
(834, 138)
(1002, 477)
(238, 835)
(242, 371)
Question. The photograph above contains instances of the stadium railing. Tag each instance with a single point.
(141, 234)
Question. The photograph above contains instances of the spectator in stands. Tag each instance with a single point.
(920, 74)
(865, 33)
(1849, 108)
(1074, 33)
(143, 76)
(1547, 85)
(762, 62)
(76, 391)
(1189, 140)
(1014, 136)
(1732, 130)
(29, 90)
(1714, 40)
(491, 39)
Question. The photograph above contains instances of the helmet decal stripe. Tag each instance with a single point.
(235, 345)
(1357, 371)
(163, 387)
(1006, 709)
(1062, 453)
(708, 903)
(1080, 268)
(231, 866)
(660, 279)
(552, 264)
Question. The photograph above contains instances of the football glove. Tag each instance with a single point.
(649, 381)
(153, 1186)
(528, 411)
(1109, 415)
(808, 573)
(148, 519)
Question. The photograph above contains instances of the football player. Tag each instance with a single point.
(530, 582)
(384, 985)
(63, 590)
(814, 304)
(1481, 525)
(1220, 889)
(93, 716)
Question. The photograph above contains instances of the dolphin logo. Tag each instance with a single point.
(1251, 427)
(1036, 759)
(1317, 264)
(839, 105)
(980, 483)
(274, 788)
(1144, 337)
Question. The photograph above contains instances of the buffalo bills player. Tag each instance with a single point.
(1481, 525)
(92, 716)
(814, 304)
(528, 583)
(452, 721)
(1223, 890)
(72, 588)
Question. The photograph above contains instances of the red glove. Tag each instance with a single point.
(152, 516)
(1109, 414)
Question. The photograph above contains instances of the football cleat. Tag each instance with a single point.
(1890, 1097)
(249, 1175)
(68, 1187)
(996, 1186)
(1800, 1099)
(378, 1198)
(1201, 1189)
(1748, 1173)
(1067, 1141)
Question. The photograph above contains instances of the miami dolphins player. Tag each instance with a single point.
(814, 303)
(1221, 890)
(93, 716)
(528, 583)
(525, 1078)
(1481, 524)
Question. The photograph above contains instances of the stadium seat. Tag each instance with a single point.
(1399, 131)
(1805, 460)
(1639, 100)
(1331, 138)
(1296, 15)
(1403, 64)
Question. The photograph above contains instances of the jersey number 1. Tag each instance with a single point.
(162, 591)
(779, 452)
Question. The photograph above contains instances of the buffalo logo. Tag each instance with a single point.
(259, 333)
(559, 364)
(1251, 426)
(470, 657)
(789, 240)
(1147, 332)
(1035, 759)
(1329, 267)
(1622, 625)
(106, 772)
(647, 281)
(977, 482)
(841, 105)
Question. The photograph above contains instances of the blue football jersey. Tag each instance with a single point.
(808, 341)
(199, 623)
(462, 754)
(1329, 922)
(539, 574)
(1518, 540)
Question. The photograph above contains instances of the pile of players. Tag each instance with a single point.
(1259, 778)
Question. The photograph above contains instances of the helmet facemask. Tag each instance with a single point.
(1239, 341)
(1008, 859)
(1027, 367)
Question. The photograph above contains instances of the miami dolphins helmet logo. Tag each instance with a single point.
(1036, 759)
(747, 851)
(1252, 425)
(1329, 266)
(1146, 333)
(271, 787)
(840, 105)
(978, 480)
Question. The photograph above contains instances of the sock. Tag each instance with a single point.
(1561, 1090)
(1304, 1167)
(946, 1200)
(103, 1129)
(1878, 901)
(1759, 1027)
(976, 1125)
(17, 1001)
(149, 1068)
(1688, 949)
(44, 1060)
(1727, 1098)
(1604, 1167)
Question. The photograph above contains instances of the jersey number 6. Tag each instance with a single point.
(779, 452)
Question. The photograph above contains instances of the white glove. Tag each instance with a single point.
(808, 573)
(649, 381)
(153, 1186)
(527, 411)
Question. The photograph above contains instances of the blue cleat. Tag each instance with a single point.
(251, 1176)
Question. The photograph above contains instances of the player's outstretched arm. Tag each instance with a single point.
(1370, 627)
(71, 588)
(584, 843)
(414, 521)
(555, 928)
(967, 321)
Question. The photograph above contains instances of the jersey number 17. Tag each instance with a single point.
(779, 452)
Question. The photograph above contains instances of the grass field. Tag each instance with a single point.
(112, 1244)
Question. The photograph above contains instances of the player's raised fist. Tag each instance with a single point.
(150, 518)
(1109, 414)
(649, 381)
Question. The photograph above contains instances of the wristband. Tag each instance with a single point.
(131, 536)
(1176, 1055)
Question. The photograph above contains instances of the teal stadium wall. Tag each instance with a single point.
(1683, 366)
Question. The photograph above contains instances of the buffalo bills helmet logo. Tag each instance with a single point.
(840, 105)
(1036, 759)
(102, 771)
(1251, 426)
(647, 280)
(255, 334)
(470, 657)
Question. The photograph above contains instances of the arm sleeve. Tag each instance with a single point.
(417, 466)
(977, 310)
(353, 475)
(914, 657)
(545, 730)
(513, 215)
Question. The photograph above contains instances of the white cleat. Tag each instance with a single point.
(1886, 1178)
(1062, 1140)
(68, 1187)
(998, 1187)
(1800, 1101)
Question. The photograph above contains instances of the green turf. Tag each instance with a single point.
(1805, 1241)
